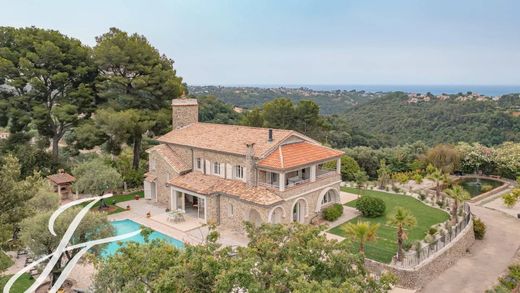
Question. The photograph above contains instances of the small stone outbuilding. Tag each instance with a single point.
(62, 183)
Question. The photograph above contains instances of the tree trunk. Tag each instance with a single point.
(400, 244)
(16, 229)
(136, 151)
(362, 247)
(55, 147)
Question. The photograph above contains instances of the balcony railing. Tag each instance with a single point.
(325, 173)
(275, 185)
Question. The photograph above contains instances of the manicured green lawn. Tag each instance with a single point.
(118, 198)
(385, 247)
(5, 261)
(22, 284)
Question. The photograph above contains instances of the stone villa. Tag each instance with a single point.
(227, 174)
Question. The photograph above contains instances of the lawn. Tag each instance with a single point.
(22, 284)
(385, 247)
(118, 198)
(5, 261)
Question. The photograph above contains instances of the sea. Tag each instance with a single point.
(487, 90)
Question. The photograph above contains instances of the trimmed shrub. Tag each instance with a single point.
(479, 228)
(371, 207)
(432, 231)
(333, 212)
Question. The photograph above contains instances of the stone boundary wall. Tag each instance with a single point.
(417, 277)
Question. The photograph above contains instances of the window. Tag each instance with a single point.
(230, 210)
(239, 172)
(327, 197)
(152, 165)
(199, 163)
(216, 168)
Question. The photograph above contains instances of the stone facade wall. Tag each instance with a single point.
(164, 172)
(183, 115)
(241, 212)
(223, 159)
(419, 276)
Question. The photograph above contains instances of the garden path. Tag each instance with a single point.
(487, 259)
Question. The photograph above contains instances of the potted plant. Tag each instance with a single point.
(128, 207)
(136, 197)
(148, 214)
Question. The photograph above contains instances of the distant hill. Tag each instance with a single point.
(330, 102)
(400, 118)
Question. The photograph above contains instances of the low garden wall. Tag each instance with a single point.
(416, 277)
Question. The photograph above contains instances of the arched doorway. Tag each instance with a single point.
(277, 215)
(327, 197)
(254, 217)
(299, 210)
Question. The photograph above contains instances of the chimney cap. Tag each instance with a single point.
(184, 102)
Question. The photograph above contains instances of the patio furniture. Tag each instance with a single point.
(176, 216)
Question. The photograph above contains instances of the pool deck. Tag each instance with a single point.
(191, 231)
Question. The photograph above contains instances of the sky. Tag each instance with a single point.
(231, 42)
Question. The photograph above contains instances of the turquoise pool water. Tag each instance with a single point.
(126, 226)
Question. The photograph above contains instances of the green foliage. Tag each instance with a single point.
(361, 232)
(53, 78)
(510, 199)
(282, 258)
(385, 247)
(479, 228)
(330, 102)
(5, 261)
(95, 177)
(444, 157)
(371, 207)
(396, 121)
(21, 285)
(486, 187)
(432, 231)
(215, 111)
(332, 212)
(509, 282)
(349, 167)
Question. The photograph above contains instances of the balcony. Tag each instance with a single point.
(298, 177)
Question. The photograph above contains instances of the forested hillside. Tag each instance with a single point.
(394, 119)
(330, 102)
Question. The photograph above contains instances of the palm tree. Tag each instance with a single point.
(362, 232)
(459, 195)
(401, 219)
(438, 177)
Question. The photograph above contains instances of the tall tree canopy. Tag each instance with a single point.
(278, 258)
(49, 80)
(134, 75)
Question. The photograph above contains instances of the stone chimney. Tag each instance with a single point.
(184, 112)
(250, 166)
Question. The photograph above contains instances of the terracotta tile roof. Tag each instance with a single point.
(61, 178)
(227, 138)
(211, 185)
(298, 154)
(171, 157)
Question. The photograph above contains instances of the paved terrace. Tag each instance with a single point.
(191, 231)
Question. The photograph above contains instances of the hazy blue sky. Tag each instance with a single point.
(305, 42)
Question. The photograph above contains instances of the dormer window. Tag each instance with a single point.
(216, 168)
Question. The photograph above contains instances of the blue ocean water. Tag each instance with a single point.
(488, 90)
(127, 226)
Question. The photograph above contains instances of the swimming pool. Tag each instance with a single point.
(126, 226)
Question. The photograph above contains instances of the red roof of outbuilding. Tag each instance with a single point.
(298, 154)
(61, 178)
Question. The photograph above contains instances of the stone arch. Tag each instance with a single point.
(254, 217)
(276, 214)
(299, 210)
(333, 192)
